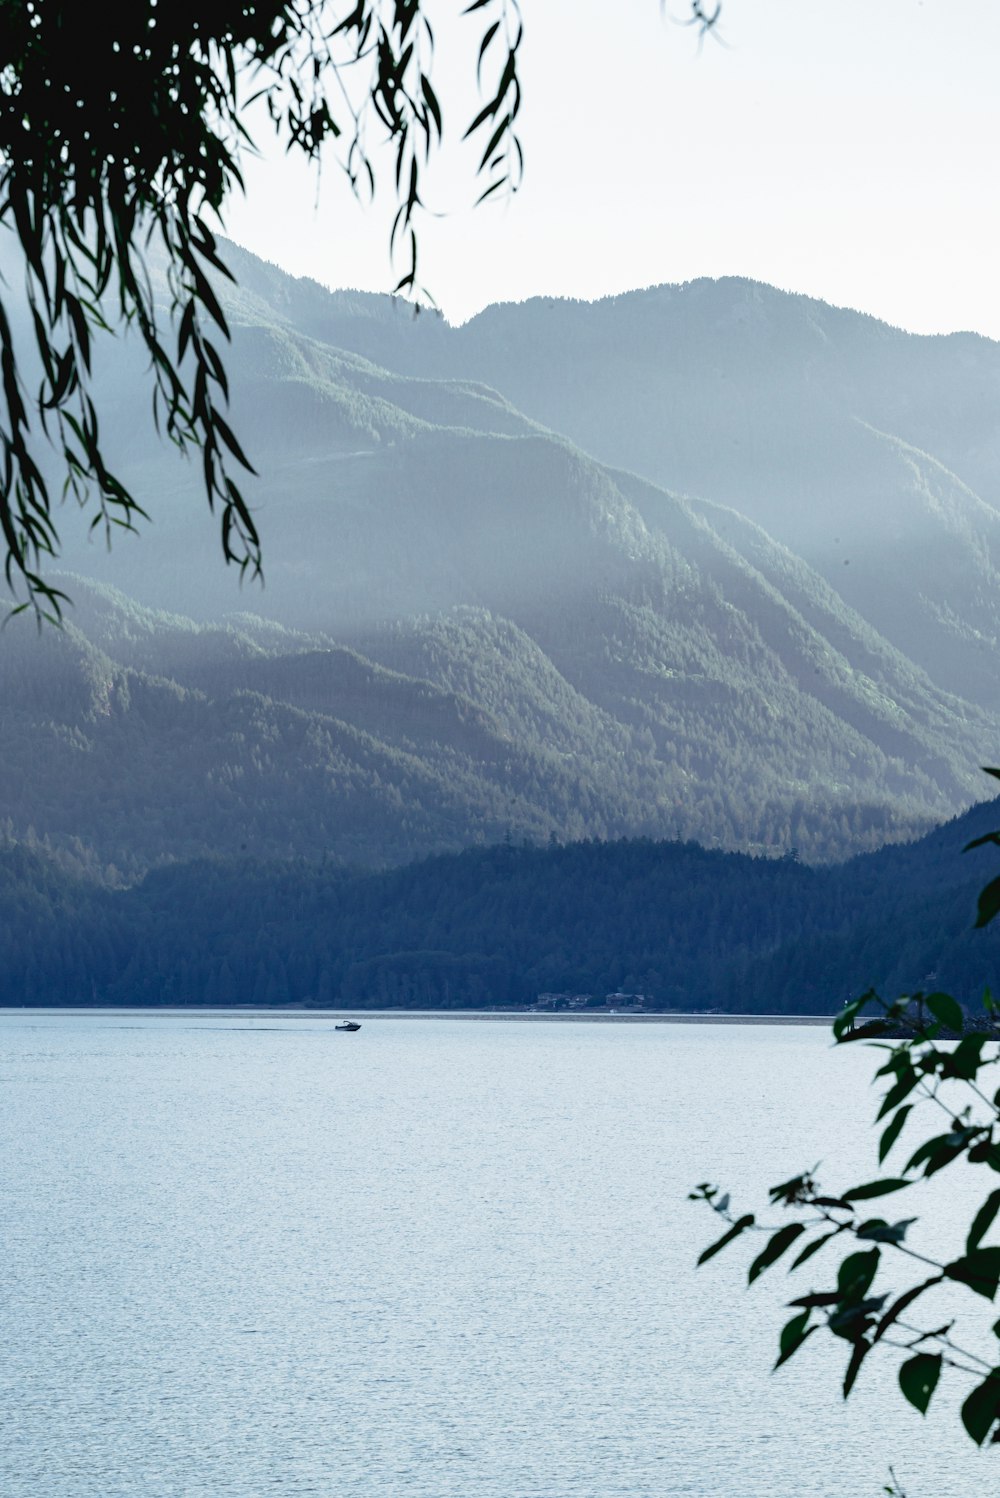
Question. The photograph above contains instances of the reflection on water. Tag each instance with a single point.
(437, 1259)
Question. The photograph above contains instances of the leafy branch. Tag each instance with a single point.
(113, 178)
(113, 181)
(864, 1302)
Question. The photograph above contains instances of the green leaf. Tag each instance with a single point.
(934, 1154)
(906, 1081)
(947, 1010)
(791, 1191)
(986, 1152)
(899, 1058)
(778, 1243)
(432, 101)
(859, 1353)
(980, 1270)
(918, 1379)
(981, 1410)
(899, 1306)
(989, 903)
(793, 1334)
(966, 1059)
(875, 1188)
(814, 1248)
(856, 1273)
(979, 842)
(488, 36)
(495, 139)
(844, 1021)
(738, 1227)
(878, 1231)
(853, 1319)
(983, 1221)
(892, 1132)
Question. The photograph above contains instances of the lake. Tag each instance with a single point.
(436, 1259)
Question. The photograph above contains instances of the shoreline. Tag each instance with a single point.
(251, 1012)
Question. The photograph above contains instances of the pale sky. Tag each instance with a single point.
(843, 148)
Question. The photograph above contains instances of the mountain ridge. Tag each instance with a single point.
(712, 681)
(774, 383)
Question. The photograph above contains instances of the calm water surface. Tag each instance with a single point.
(437, 1259)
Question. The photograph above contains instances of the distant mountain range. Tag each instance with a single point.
(705, 562)
(873, 454)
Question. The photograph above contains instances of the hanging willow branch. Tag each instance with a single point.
(121, 133)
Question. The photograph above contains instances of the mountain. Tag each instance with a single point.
(529, 583)
(873, 454)
(257, 741)
(472, 628)
(518, 642)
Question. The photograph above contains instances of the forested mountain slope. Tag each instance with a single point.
(308, 750)
(688, 928)
(692, 688)
(872, 453)
(471, 627)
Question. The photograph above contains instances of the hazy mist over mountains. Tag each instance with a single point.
(708, 561)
